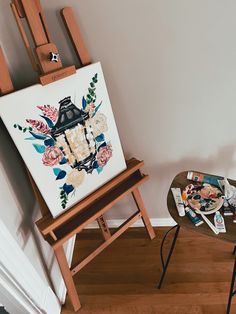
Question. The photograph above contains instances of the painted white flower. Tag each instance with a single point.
(99, 124)
(75, 178)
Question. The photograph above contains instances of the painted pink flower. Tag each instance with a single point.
(90, 108)
(52, 156)
(39, 126)
(49, 111)
(104, 155)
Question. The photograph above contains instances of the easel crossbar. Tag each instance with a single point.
(115, 235)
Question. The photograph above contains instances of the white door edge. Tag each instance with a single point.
(21, 280)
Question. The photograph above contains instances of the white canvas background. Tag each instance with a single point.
(21, 105)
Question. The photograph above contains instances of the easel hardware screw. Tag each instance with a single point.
(54, 57)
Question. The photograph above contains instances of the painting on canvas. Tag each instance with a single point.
(66, 135)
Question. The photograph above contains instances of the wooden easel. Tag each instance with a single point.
(57, 231)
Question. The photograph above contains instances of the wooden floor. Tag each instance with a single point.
(123, 278)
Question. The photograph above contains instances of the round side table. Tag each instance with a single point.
(180, 181)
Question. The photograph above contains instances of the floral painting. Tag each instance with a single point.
(74, 138)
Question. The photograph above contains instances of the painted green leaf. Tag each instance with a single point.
(95, 165)
(84, 103)
(102, 145)
(38, 136)
(56, 172)
(39, 148)
(95, 111)
(100, 138)
(49, 121)
(99, 169)
(63, 161)
(91, 92)
(30, 138)
(68, 188)
(49, 142)
(61, 175)
(95, 78)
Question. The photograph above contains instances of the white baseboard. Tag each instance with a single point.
(156, 222)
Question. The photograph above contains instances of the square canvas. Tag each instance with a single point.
(67, 136)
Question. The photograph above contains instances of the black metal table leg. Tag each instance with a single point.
(232, 292)
(165, 265)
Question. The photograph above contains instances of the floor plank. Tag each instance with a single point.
(123, 279)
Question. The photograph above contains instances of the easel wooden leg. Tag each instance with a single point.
(104, 227)
(232, 292)
(139, 202)
(67, 276)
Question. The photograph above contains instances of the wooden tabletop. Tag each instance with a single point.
(180, 181)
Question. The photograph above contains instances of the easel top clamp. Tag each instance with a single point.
(46, 61)
(44, 56)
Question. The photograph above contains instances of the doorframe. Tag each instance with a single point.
(20, 280)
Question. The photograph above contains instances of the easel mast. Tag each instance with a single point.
(49, 71)
(6, 85)
(59, 230)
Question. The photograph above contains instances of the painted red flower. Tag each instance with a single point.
(49, 111)
(39, 126)
(104, 155)
(52, 156)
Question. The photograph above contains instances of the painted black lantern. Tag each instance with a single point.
(73, 134)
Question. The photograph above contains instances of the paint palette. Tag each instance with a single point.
(204, 197)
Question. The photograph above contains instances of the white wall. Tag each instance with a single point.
(171, 72)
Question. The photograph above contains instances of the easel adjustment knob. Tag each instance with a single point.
(54, 57)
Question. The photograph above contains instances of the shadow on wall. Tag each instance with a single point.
(222, 163)
(14, 50)
(155, 191)
(22, 193)
(222, 160)
(18, 182)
